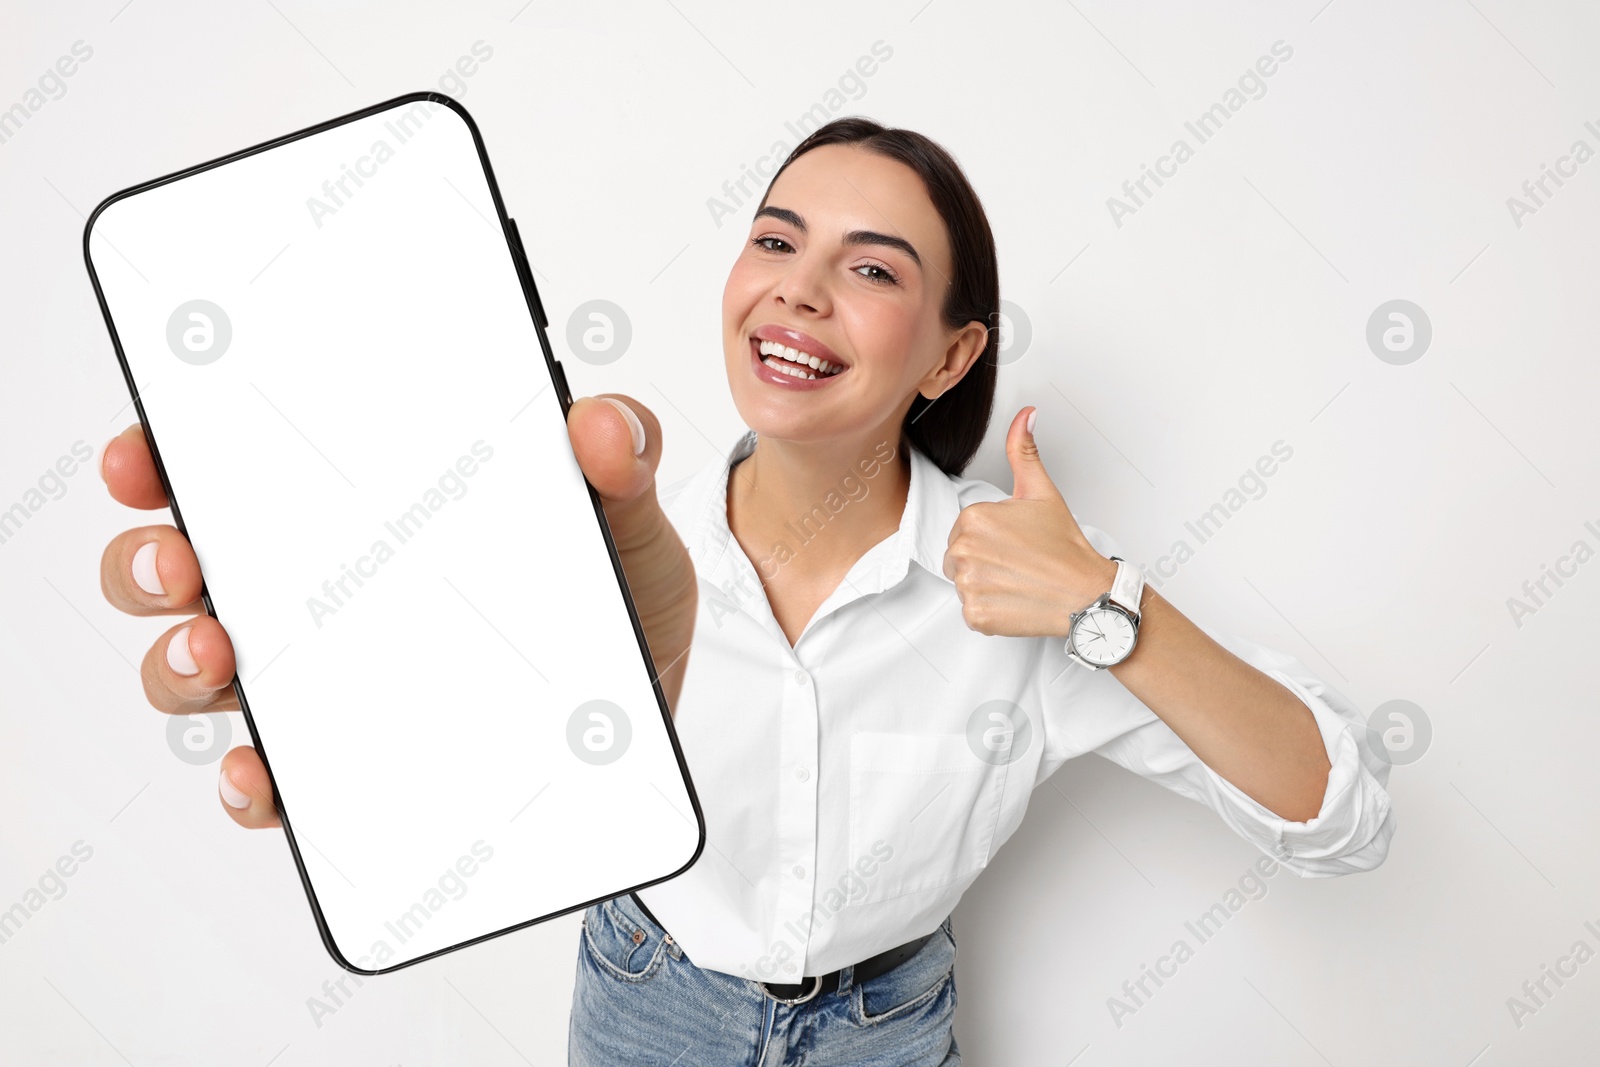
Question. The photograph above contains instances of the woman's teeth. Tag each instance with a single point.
(791, 361)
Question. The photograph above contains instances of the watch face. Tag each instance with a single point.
(1103, 636)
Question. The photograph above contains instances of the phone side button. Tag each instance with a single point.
(561, 384)
(525, 270)
(538, 304)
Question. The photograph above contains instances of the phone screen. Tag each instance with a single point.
(333, 347)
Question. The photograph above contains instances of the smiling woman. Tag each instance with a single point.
(898, 681)
(867, 726)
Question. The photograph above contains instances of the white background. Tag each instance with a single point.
(1166, 355)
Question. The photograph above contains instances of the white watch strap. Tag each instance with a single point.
(1128, 588)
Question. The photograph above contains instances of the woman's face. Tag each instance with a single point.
(847, 263)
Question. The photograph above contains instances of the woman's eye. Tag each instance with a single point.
(884, 274)
(873, 272)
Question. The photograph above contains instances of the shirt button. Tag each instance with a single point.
(799, 872)
(801, 773)
(788, 968)
(800, 678)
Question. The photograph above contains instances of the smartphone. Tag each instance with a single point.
(338, 352)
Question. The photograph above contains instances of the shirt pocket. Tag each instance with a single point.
(923, 812)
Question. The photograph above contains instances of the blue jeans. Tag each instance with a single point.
(640, 1001)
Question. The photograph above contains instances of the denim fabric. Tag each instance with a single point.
(639, 1001)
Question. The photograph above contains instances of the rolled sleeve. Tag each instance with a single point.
(1353, 826)
(1351, 831)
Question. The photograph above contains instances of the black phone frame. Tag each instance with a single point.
(558, 379)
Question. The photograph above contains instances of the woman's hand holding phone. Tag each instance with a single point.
(190, 667)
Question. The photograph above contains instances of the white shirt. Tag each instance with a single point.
(846, 809)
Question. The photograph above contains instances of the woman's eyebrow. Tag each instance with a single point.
(854, 237)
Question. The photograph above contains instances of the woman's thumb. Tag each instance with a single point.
(616, 441)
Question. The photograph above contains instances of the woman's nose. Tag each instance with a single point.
(804, 287)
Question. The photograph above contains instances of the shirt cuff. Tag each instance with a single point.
(1351, 830)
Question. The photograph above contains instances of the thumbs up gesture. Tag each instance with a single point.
(1022, 566)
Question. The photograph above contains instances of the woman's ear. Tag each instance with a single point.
(966, 345)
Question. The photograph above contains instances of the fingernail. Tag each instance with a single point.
(635, 427)
(179, 658)
(144, 570)
(100, 458)
(1032, 417)
(232, 795)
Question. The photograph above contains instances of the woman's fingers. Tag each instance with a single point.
(246, 791)
(190, 669)
(151, 570)
(129, 471)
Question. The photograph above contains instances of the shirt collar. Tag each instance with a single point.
(698, 509)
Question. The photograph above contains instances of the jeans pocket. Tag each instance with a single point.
(924, 985)
(872, 1007)
(620, 946)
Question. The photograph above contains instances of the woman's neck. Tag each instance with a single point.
(813, 510)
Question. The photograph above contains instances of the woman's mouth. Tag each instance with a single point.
(786, 362)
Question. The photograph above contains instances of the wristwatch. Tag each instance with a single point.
(1103, 634)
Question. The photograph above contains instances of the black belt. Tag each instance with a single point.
(800, 992)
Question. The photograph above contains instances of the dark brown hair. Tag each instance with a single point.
(947, 430)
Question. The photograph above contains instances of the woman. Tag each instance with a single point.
(881, 672)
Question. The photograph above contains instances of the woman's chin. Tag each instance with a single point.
(782, 420)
